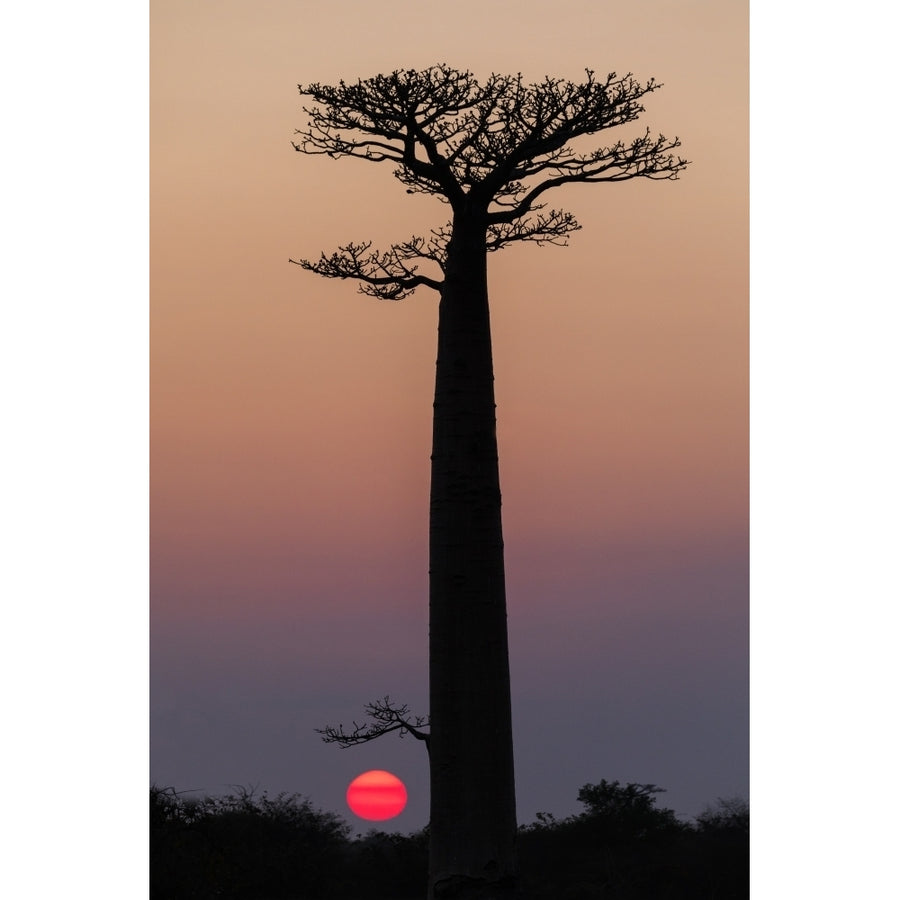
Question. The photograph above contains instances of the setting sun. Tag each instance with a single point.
(376, 795)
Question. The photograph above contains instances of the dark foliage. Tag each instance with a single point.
(389, 866)
(622, 847)
(731, 815)
(241, 846)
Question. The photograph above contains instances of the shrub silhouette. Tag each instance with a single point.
(628, 812)
(621, 847)
(241, 846)
(726, 815)
(390, 866)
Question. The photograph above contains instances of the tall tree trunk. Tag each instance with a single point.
(473, 814)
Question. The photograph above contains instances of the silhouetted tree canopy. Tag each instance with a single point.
(626, 809)
(726, 814)
(494, 148)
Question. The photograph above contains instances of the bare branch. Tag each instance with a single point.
(644, 157)
(400, 108)
(386, 717)
(447, 132)
(543, 228)
(490, 150)
(390, 275)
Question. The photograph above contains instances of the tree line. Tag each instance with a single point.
(622, 846)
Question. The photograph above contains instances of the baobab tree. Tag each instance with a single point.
(491, 151)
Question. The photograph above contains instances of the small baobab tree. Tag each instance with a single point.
(491, 151)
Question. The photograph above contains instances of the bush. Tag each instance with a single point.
(241, 846)
(622, 847)
(626, 811)
(732, 814)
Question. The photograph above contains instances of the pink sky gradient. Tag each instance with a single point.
(290, 416)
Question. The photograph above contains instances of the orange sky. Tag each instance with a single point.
(621, 361)
(291, 415)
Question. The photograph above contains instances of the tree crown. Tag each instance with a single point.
(490, 150)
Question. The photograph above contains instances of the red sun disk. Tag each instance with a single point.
(376, 795)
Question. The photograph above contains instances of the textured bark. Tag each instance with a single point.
(473, 816)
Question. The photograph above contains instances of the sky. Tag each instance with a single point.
(290, 415)
(74, 479)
